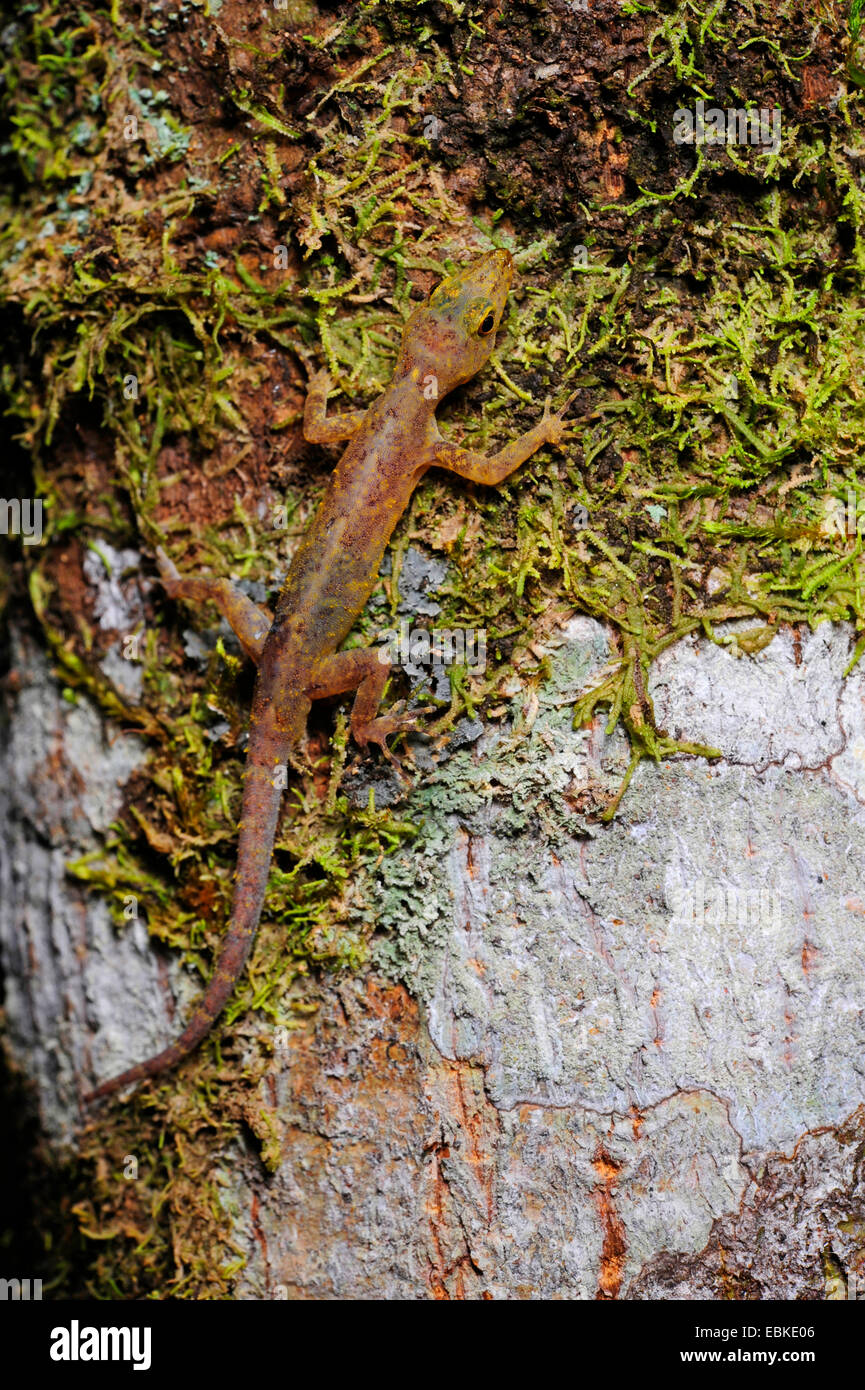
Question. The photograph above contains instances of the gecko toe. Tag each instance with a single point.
(168, 572)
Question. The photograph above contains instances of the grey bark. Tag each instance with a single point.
(616, 1061)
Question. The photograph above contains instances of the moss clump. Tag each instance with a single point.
(205, 205)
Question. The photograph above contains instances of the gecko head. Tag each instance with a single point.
(450, 337)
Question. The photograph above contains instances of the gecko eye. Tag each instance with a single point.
(488, 324)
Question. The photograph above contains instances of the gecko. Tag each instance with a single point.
(446, 340)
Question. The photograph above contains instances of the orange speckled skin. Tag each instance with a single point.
(392, 444)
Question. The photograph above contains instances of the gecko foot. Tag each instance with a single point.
(169, 573)
(320, 381)
(555, 426)
(378, 730)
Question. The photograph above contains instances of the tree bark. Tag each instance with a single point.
(547, 1055)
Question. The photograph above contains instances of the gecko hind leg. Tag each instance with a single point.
(249, 623)
(363, 671)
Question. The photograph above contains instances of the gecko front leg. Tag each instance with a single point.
(316, 426)
(477, 468)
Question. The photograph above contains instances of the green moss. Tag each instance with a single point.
(710, 318)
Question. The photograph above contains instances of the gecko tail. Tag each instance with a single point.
(261, 800)
(205, 1015)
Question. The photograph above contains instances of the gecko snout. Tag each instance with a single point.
(493, 272)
